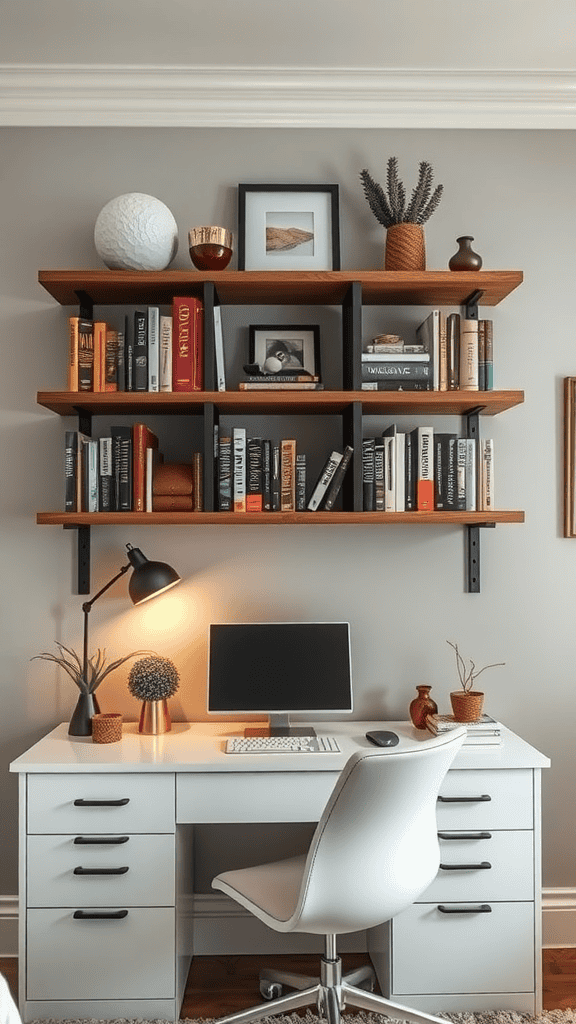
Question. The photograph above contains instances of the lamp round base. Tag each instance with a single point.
(154, 718)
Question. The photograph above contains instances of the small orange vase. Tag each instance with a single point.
(422, 706)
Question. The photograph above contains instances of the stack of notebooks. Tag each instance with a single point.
(484, 730)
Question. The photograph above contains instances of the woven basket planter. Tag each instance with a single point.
(107, 728)
(467, 706)
(405, 248)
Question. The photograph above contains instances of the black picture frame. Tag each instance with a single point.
(295, 347)
(306, 210)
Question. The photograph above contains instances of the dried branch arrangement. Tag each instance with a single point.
(468, 674)
(72, 665)
(390, 207)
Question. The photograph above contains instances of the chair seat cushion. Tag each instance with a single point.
(269, 891)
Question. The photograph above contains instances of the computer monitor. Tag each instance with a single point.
(278, 669)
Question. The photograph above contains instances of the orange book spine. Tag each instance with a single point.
(143, 438)
(99, 355)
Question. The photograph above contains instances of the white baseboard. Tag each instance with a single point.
(558, 917)
(222, 927)
(8, 926)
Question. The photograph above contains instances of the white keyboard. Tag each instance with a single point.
(282, 745)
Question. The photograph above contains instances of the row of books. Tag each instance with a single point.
(125, 472)
(425, 470)
(153, 351)
(451, 353)
(486, 730)
(256, 474)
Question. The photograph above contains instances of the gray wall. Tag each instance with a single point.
(400, 587)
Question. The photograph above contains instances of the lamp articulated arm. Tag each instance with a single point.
(86, 608)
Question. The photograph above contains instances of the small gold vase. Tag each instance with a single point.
(154, 718)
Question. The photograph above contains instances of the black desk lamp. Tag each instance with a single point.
(148, 580)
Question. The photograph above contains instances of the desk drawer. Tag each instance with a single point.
(486, 799)
(129, 957)
(484, 866)
(468, 951)
(215, 797)
(111, 803)
(135, 870)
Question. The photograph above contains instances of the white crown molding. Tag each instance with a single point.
(112, 95)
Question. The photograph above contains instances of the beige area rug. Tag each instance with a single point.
(486, 1017)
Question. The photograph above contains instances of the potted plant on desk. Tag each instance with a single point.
(468, 702)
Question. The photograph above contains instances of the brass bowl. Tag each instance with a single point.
(210, 247)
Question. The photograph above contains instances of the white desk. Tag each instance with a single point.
(136, 874)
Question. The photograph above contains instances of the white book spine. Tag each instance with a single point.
(325, 478)
(239, 478)
(153, 348)
(389, 475)
(165, 369)
(219, 350)
(487, 474)
(471, 475)
(400, 454)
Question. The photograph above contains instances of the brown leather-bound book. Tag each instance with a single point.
(172, 503)
(173, 478)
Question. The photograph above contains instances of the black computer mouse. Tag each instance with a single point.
(382, 738)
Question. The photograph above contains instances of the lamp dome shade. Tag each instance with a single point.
(149, 578)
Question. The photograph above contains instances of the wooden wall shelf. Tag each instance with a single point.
(277, 518)
(236, 287)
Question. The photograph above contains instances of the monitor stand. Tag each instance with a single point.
(280, 726)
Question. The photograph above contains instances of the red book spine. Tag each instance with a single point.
(187, 344)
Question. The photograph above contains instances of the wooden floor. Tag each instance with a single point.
(218, 985)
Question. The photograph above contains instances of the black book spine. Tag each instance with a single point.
(122, 455)
(276, 480)
(70, 470)
(140, 351)
(300, 482)
(129, 353)
(106, 477)
(410, 460)
(445, 471)
(368, 445)
(267, 475)
(334, 488)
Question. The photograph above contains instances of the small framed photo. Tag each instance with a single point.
(285, 350)
(288, 227)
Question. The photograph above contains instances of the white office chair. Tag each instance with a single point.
(374, 851)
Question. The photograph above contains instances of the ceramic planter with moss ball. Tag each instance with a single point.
(153, 680)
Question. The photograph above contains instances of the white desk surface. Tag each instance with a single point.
(199, 747)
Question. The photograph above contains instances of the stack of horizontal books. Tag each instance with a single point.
(484, 730)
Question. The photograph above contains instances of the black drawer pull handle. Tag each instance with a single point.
(100, 871)
(102, 803)
(464, 799)
(100, 840)
(99, 915)
(484, 865)
(483, 908)
(464, 835)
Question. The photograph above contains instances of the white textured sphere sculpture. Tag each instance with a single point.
(136, 232)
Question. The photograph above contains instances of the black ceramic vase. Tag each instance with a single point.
(465, 258)
(81, 721)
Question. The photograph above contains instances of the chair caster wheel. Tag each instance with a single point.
(270, 989)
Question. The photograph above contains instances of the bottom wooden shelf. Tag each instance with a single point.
(72, 519)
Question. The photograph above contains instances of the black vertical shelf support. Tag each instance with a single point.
(472, 426)
(85, 310)
(352, 435)
(352, 338)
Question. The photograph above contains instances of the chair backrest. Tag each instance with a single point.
(375, 849)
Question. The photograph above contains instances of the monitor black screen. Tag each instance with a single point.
(268, 667)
